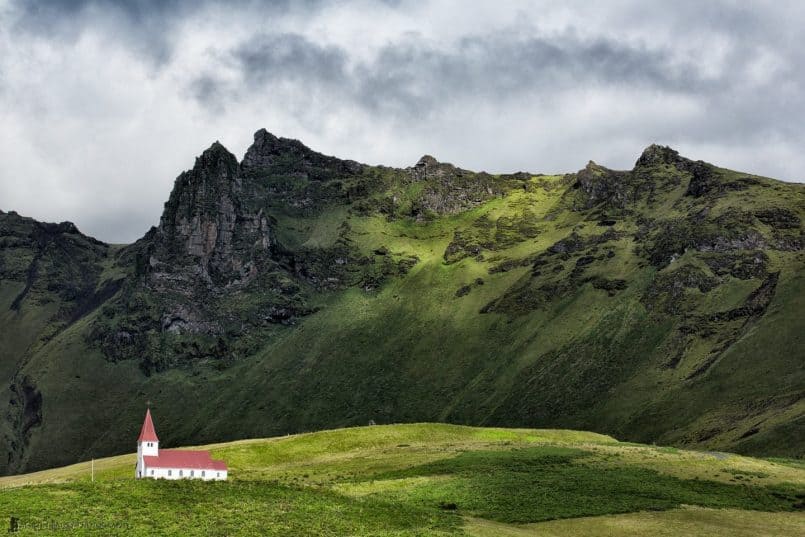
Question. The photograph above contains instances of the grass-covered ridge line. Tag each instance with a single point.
(294, 292)
(420, 479)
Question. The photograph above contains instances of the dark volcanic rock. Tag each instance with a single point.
(668, 290)
(448, 189)
(572, 243)
(703, 176)
(213, 271)
(657, 155)
(741, 264)
(703, 179)
(597, 184)
(779, 218)
(209, 273)
(50, 260)
(25, 414)
(658, 169)
(610, 286)
(732, 230)
(753, 308)
(272, 155)
(210, 226)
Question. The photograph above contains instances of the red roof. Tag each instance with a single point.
(179, 458)
(147, 433)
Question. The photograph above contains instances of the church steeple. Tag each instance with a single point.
(147, 433)
(147, 444)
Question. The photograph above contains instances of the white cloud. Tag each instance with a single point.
(103, 104)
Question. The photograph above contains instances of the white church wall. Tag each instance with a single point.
(183, 473)
(148, 448)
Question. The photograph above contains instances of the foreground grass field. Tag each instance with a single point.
(424, 479)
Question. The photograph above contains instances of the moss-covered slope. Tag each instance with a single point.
(295, 291)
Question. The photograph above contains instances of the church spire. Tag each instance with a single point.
(147, 433)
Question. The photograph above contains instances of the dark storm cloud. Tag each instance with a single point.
(411, 77)
(290, 57)
(137, 10)
(498, 67)
(39, 13)
(146, 25)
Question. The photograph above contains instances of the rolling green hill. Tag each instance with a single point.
(292, 291)
(425, 479)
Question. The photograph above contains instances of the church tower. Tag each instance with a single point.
(147, 443)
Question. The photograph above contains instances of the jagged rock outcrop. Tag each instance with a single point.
(597, 184)
(285, 172)
(428, 167)
(211, 228)
(703, 176)
(449, 189)
(270, 154)
(50, 259)
(659, 155)
(658, 169)
(214, 270)
(210, 272)
(703, 179)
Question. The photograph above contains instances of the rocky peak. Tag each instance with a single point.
(267, 149)
(426, 161)
(428, 168)
(203, 192)
(656, 154)
(270, 154)
(596, 184)
(49, 260)
(16, 224)
(209, 223)
(60, 228)
(215, 155)
(593, 173)
(703, 176)
(593, 166)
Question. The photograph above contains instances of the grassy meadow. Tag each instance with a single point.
(424, 479)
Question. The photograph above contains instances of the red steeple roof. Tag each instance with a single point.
(147, 433)
(182, 458)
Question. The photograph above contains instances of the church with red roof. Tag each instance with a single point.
(154, 463)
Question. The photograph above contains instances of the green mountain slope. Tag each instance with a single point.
(294, 291)
(425, 479)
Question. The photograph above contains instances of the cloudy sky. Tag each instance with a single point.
(103, 103)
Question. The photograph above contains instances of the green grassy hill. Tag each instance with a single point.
(426, 479)
(292, 292)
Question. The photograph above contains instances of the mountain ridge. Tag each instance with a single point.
(293, 290)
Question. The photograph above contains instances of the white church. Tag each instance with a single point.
(154, 463)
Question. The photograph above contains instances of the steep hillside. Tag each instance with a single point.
(425, 479)
(295, 291)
